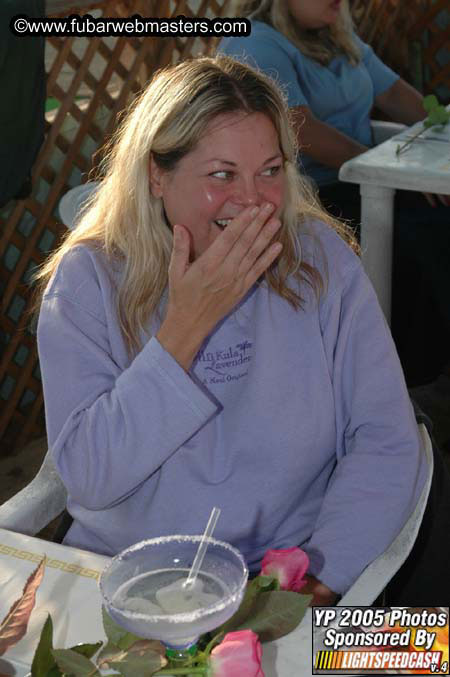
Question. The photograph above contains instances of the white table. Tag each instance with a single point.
(69, 592)
(424, 166)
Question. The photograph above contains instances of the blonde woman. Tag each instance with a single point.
(207, 337)
(332, 80)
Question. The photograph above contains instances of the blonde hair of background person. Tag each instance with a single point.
(322, 45)
(166, 121)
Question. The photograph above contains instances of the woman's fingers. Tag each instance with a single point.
(259, 245)
(179, 260)
(239, 235)
(233, 254)
(262, 263)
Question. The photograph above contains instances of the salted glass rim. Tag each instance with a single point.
(184, 616)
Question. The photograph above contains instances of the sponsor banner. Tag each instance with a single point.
(383, 641)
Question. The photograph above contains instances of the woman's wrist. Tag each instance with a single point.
(183, 343)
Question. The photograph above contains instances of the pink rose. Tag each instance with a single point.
(238, 654)
(289, 565)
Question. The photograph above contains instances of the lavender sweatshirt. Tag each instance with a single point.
(297, 424)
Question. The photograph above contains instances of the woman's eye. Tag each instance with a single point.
(272, 171)
(222, 174)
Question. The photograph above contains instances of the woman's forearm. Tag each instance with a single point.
(322, 142)
(402, 103)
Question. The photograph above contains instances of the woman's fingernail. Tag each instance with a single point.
(268, 207)
(254, 211)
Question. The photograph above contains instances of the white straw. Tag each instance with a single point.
(198, 560)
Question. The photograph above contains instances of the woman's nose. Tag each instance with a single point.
(246, 193)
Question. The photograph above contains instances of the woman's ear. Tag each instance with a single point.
(156, 178)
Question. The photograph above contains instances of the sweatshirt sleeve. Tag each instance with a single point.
(109, 428)
(381, 469)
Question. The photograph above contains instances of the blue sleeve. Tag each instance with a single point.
(381, 468)
(108, 428)
(267, 55)
(381, 75)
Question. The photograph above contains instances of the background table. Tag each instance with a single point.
(424, 166)
(69, 592)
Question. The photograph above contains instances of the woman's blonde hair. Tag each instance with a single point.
(322, 45)
(167, 120)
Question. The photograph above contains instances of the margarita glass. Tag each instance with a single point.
(144, 590)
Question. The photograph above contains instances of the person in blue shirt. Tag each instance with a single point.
(332, 80)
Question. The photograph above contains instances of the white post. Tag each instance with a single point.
(377, 216)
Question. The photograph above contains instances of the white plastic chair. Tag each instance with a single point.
(35, 506)
(383, 130)
(71, 205)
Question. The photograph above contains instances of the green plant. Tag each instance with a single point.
(438, 116)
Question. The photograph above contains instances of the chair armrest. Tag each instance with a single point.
(383, 130)
(378, 573)
(31, 509)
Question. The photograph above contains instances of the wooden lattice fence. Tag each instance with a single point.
(90, 80)
(412, 36)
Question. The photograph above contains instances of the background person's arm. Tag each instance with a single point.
(402, 103)
(321, 142)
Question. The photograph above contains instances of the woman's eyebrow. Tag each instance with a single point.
(233, 164)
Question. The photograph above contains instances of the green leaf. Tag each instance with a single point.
(115, 634)
(110, 652)
(148, 645)
(276, 613)
(128, 640)
(87, 650)
(43, 661)
(253, 590)
(438, 116)
(74, 664)
(113, 631)
(429, 102)
(135, 664)
(267, 583)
